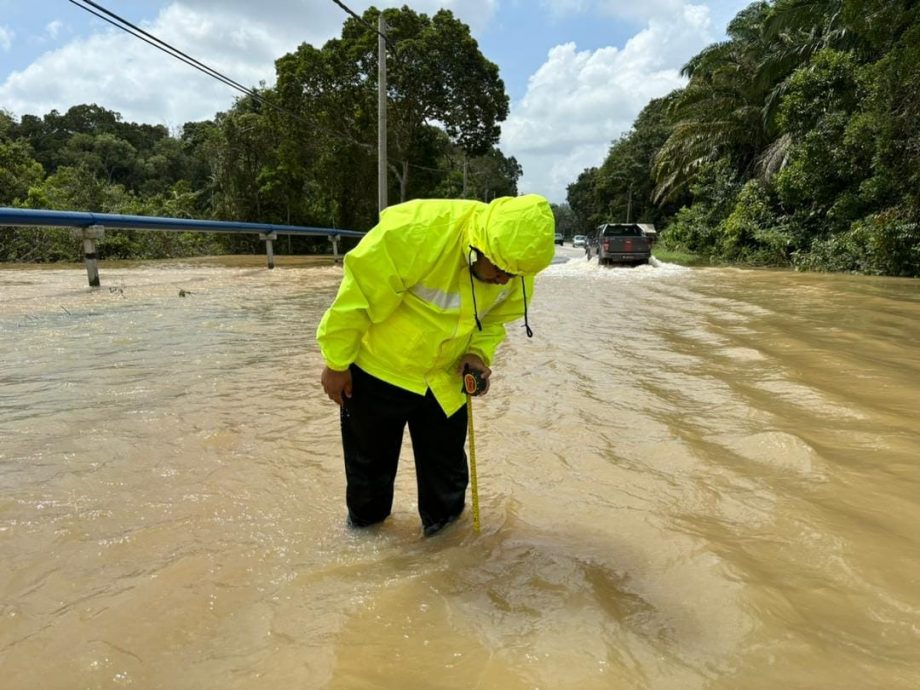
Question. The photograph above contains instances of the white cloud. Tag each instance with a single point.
(124, 74)
(54, 28)
(720, 11)
(6, 39)
(577, 103)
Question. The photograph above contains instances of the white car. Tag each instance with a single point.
(578, 241)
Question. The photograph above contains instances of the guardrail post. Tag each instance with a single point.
(269, 238)
(335, 248)
(89, 235)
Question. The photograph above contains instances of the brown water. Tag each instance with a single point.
(688, 479)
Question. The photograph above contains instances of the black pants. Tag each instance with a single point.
(373, 421)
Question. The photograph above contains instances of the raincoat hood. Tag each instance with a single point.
(517, 234)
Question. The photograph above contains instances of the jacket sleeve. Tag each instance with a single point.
(485, 342)
(377, 274)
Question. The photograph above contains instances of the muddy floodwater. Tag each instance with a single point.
(689, 478)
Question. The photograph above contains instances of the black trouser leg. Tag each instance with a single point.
(440, 462)
(373, 420)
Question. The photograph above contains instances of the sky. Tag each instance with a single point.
(577, 71)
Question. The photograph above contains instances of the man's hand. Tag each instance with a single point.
(336, 384)
(474, 362)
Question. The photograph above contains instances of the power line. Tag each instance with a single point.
(366, 23)
(161, 45)
(350, 11)
(121, 23)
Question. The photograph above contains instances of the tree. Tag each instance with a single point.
(720, 113)
(241, 147)
(104, 154)
(7, 124)
(18, 169)
(436, 77)
(820, 184)
(566, 223)
(494, 174)
(482, 177)
(68, 189)
(582, 199)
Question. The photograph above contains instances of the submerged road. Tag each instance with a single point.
(688, 479)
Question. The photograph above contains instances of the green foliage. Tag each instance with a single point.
(242, 148)
(7, 124)
(894, 241)
(565, 220)
(306, 158)
(885, 243)
(678, 256)
(18, 168)
(824, 184)
(795, 139)
(38, 245)
(695, 227)
(893, 106)
(68, 189)
(18, 171)
(691, 230)
(753, 233)
(826, 84)
(435, 73)
(583, 201)
(720, 114)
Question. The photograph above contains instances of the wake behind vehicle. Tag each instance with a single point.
(622, 243)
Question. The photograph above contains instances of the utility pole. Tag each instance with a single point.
(381, 114)
(629, 203)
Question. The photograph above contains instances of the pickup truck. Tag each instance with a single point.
(621, 243)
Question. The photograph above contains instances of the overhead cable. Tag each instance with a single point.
(364, 21)
(161, 45)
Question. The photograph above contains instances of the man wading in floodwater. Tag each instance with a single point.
(426, 292)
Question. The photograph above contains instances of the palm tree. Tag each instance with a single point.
(728, 108)
(719, 114)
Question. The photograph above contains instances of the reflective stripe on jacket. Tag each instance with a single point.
(404, 311)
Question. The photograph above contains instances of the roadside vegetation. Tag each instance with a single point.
(303, 153)
(679, 256)
(796, 142)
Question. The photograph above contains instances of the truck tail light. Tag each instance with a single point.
(606, 245)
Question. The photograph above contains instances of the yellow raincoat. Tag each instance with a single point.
(404, 312)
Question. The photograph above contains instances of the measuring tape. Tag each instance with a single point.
(473, 384)
(474, 488)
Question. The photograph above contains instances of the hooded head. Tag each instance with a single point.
(517, 234)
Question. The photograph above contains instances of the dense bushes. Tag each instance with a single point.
(796, 142)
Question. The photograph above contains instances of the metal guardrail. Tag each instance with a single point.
(90, 227)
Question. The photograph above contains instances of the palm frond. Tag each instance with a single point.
(774, 157)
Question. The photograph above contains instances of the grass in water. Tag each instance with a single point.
(676, 256)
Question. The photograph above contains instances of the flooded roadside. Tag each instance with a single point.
(689, 478)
